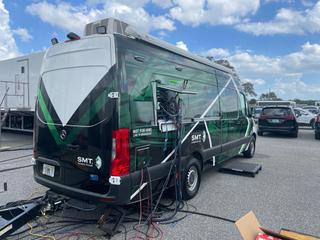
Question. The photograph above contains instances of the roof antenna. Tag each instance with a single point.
(54, 41)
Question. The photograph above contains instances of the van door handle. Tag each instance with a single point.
(73, 147)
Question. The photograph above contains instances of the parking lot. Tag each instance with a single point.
(285, 194)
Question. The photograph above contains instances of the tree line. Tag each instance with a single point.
(248, 88)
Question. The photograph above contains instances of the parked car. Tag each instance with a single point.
(256, 113)
(304, 117)
(278, 120)
(312, 109)
(317, 127)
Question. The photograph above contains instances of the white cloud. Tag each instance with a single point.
(74, 17)
(213, 12)
(291, 86)
(217, 53)
(283, 74)
(8, 47)
(182, 45)
(63, 15)
(254, 65)
(305, 60)
(23, 33)
(286, 21)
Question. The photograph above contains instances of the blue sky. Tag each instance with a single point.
(274, 44)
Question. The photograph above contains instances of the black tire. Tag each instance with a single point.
(260, 133)
(317, 135)
(294, 134)
(249, 153)
(191, 179)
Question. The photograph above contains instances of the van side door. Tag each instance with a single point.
(243, 116)
(230, 121)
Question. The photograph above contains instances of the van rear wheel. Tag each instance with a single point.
(191, 179)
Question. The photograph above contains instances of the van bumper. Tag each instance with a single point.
(277, 129)
(124, 193)
(117, 194)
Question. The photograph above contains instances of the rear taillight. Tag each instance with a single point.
(262, 117)
(120, 163)
(289, 117)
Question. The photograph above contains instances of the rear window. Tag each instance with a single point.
(276, 111)
(257, 110)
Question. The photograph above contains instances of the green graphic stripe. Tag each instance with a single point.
(47, 116)
(85, 119)
(92, 111)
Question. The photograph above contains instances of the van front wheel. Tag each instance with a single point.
(191, 179)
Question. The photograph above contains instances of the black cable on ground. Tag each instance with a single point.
(208, 215)
(16, 149)
(51, 223)
(15, 168)
(15, 158)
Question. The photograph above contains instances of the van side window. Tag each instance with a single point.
(200, 102)
(202, 83)
(138, 79)
(229, 99)
(243, 105)
(229, 104)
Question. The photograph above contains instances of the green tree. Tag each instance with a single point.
(304, 102)
(272, 96)
(249, 89)
(252, 101)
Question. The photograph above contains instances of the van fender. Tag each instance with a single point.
(253, 135)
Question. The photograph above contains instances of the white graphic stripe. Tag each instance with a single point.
(209, 136)
(191, 130)
(202, 116)
(243, 147)
(138, 190)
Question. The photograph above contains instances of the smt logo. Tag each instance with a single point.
(88, 162)
(198, 137)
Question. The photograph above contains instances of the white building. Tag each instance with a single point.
(19, 79)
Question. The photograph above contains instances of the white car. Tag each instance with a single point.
(304, 117)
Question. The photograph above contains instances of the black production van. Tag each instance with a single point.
(106, 116)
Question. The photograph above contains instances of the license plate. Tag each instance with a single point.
(275, 120)
(48, 170)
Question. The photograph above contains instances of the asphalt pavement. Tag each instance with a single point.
(285, 194)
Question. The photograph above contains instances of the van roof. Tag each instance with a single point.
(115, 26)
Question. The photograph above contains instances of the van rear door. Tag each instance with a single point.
(75, 116)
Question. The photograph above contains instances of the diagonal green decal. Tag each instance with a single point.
(94, 109)
(85, 119)
(47, 116)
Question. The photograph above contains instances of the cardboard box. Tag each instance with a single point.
(249, 227)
